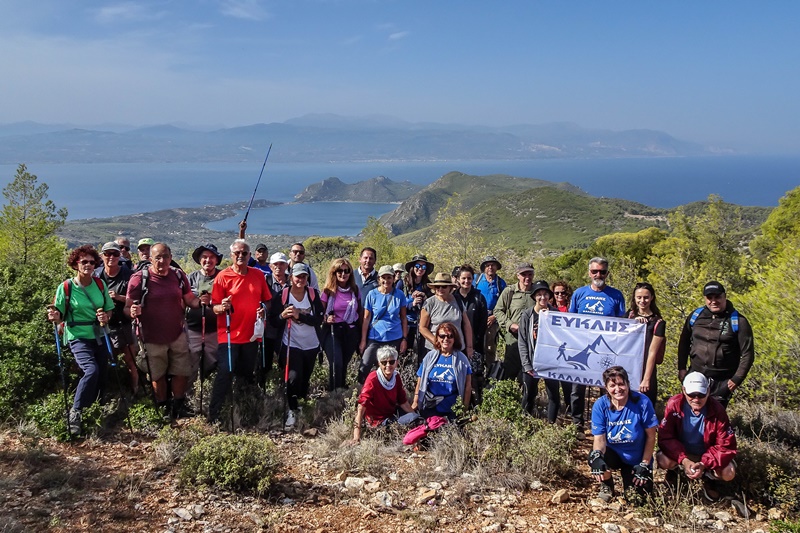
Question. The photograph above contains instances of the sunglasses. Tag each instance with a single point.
(240, 253)
(599, 271)
(125, 248)
(388, 362)
(342, 270)
(111, 254)
(421, 267)
(299, 252)
(446, 336)
(87, 261)
(696, 395)
(560, 293)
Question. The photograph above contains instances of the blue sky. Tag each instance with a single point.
(716, 72)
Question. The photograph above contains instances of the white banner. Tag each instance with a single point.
(579, 348)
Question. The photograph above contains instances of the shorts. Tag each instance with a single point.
(163, 359)
(122, 336)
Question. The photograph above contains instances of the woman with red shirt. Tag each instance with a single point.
(383, 397)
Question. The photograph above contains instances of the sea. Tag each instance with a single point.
(105, 189)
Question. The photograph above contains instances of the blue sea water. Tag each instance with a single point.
(102, 190)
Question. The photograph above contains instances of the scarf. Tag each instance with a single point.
(351, 313)
(387, 384)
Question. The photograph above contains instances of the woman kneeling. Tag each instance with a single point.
(624, 428)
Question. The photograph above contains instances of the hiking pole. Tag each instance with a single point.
(286, 373)
(61, 369)
(333, 358)
(230, 358)
(137, 323)
(257, 183)
(202, 353)
(113, 360)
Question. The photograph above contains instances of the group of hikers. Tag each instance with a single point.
(178, 329)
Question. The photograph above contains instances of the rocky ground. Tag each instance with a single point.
(118, 484)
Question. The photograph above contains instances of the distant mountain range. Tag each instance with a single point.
(323, 138)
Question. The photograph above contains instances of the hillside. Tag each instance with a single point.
(419, 211)
(379, 189)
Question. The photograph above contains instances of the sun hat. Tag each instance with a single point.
(490, 259)
(419, 258)
(386, 270)
(279, 257)
(541, 285)
(442, 279)
(524, 267)
(299, 269)
(399, 267)
(695, 382)
(209, 247)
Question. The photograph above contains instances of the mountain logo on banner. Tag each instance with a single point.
(580, 361)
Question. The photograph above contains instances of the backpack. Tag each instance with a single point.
(312, 295)
(734, 318)
(146, 277)
(67, 286)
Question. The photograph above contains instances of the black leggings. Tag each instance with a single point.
(301, 364)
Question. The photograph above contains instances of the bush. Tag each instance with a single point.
(766, 422)
(769, 473)
(173, 443)
(145, 418)
(235, 462)
(50, 418)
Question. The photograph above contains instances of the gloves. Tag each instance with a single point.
(642, 474)
(597, 463)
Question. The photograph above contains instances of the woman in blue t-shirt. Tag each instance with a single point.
(624, 428)
(442, 377)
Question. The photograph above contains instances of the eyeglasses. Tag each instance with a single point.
(125, 248)
(696, 395)
(560, 293)
(389, 362)
(342, 270)
(238, 253)
(111, 254)
(421, 267)
(87, 261)
(599, 271)
(445, 336)
(301, 252)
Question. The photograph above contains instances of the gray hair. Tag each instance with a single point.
(240, 241)
(599, 260)
(387, 352)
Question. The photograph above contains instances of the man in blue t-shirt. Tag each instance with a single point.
(597, 298)
(490, 285)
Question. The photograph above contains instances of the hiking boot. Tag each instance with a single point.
(710, 491)
(580, 433)
(291, 420)
(671, 479)
(606, 492)
(74, 422)
(180, 409)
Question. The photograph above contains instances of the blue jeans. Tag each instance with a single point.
(92, 359)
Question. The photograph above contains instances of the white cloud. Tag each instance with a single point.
(396, 36)
(244, 9)
(126, 11)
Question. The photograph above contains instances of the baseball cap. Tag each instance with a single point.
(386, 270)
(695, 382)
(300, 268)
(713, 287)
(261, 246)
(147, 241)
(111, 246)
(279, 257)
(524, 267)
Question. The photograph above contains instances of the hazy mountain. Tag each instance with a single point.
(379, 189)
(327, 137)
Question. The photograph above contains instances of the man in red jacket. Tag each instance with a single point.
(697, 435)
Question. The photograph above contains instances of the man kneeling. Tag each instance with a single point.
(697, 435)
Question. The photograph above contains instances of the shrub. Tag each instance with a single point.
(236, 462)
(769, 473)
(145, 418)
(766, 422)
(173, 443)
(50, 419)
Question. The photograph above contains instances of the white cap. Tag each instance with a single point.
(279, 257)
(695, 382)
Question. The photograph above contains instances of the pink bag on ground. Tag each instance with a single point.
(418, 433)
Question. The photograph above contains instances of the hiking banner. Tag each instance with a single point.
(579, 348)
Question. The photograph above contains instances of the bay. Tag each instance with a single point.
(103, 190)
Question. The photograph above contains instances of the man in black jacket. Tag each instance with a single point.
(719, 342)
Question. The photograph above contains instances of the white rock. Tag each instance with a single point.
(536, 485)
(197, 511)
(393, 476)
(610, 528)
(699, 513)
(184, 514)
(435, 485)
(371, 488)
(725, 516)
(774, 514)
(490, 528)
(652, 521)
(383, 498)
(354, 484)
(561, 496)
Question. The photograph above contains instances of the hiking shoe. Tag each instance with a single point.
(671, 479)
(291, 420)
(606, 493)
(74, 422)
(180, 409)
(580, 433)
(710, 491)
